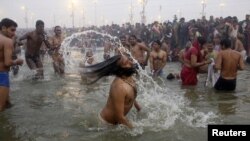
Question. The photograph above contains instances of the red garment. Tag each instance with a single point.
(189, 74)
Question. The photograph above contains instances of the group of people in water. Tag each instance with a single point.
(198, 56)
(35, 40)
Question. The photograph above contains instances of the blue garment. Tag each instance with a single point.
(4, 79)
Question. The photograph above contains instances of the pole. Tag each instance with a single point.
(160, 18)
(83, 18)
(222, 4)
(143, 15)
(131, 16)
(95, 15)
(26, 17)
(203, 3)
(72, 14)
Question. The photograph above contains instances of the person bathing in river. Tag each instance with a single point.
(193, 61)
(7, 32)
(32, 53)
(138, 51)
(58, 60)
(228, 61)
(157, 59)
(123, 90)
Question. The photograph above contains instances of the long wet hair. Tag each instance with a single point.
(108, 67)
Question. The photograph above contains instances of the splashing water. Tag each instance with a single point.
(162, 108)
(74, 47)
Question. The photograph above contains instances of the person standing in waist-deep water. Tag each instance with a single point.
(108, 48)
(32, 52)
(56, 41)
(8, 29)
(157, 59)
(138, 51)
(228, 61)
(193, 60)
(124, 42)
(123, 91)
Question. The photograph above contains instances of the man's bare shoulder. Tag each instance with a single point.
(233, 52)
(152, 53)
(119, 87)
(4, 39)
(236, 53)
(30, 34)
(163, 52)
(141, 45)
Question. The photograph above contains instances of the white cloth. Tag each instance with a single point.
(212, 76)
(243, 54)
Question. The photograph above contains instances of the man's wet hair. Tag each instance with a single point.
(108, 67)
(139, 40)
(56, 27)
(226, 42)
(6, 22)
(132, 36)
(157, 42)
(122, 37)
(217, 36)
(210, 40)
(39, 22)
(201, 41)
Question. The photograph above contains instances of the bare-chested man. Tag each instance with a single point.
(157, 59)
(228, 62)
(108, 48)
(138, 51)
(58, 61)
(240, 48)
(165, 46)
(123, 92)
(89, 59)
(32, 52)
(124, 42)
(8, 29)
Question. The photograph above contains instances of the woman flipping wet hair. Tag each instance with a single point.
(122, 92)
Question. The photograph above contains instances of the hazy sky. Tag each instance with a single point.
(58, 12)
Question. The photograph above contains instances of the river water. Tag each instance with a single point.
(65, 109)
